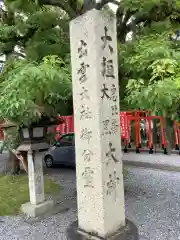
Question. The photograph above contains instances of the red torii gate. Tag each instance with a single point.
(125, 123)
(149, 133)
(126, 118)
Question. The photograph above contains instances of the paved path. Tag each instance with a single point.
(152, 202)
(155, 161)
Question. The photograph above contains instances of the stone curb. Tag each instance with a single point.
(54, 211)
(61, 204)
(160, 166)
(155, 151)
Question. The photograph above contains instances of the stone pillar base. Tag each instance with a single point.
(129, 232)
(32, 210)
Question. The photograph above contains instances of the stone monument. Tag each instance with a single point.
(100, 189)
(37, 205)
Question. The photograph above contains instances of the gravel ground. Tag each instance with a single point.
(152, 202)
(50, 228)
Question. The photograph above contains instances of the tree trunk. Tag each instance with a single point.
(2, 147)
(22, 157)
(24, 161)
(13, 164)
(168, 134)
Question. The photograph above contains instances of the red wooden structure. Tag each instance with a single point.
(177, 134)
(1, 133)
(126, 123)
(149, 131)
(66, 127)
(126, 120)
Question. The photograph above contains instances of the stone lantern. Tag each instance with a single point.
(34, 142)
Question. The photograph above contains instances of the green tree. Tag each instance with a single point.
(28, 27)
(30, 85)
(154, 74)
(133, 16)
(151, 24)
(30, 34)
(32, 31)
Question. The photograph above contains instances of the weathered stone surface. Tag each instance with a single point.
(100, 190)
(36, 178)
(129, 232)
(33, 210)
(33, 147)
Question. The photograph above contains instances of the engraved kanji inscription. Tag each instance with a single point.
(111, 154)
(85, 112)
(82, 72)
(88, 175)
(114, 93)
(84, 94)
(107, 40)
(106, 127)
(114, 126)
(107, 68)
(114, 110)
(87, 154)
(104, 91)
(112, 184)
(86, 134)
(82, 49)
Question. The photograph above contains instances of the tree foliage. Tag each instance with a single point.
(40, 28)
(29, 85)
(162, 93)
(150, 62)
(32, 31)
(154, 75)
(37, 67)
